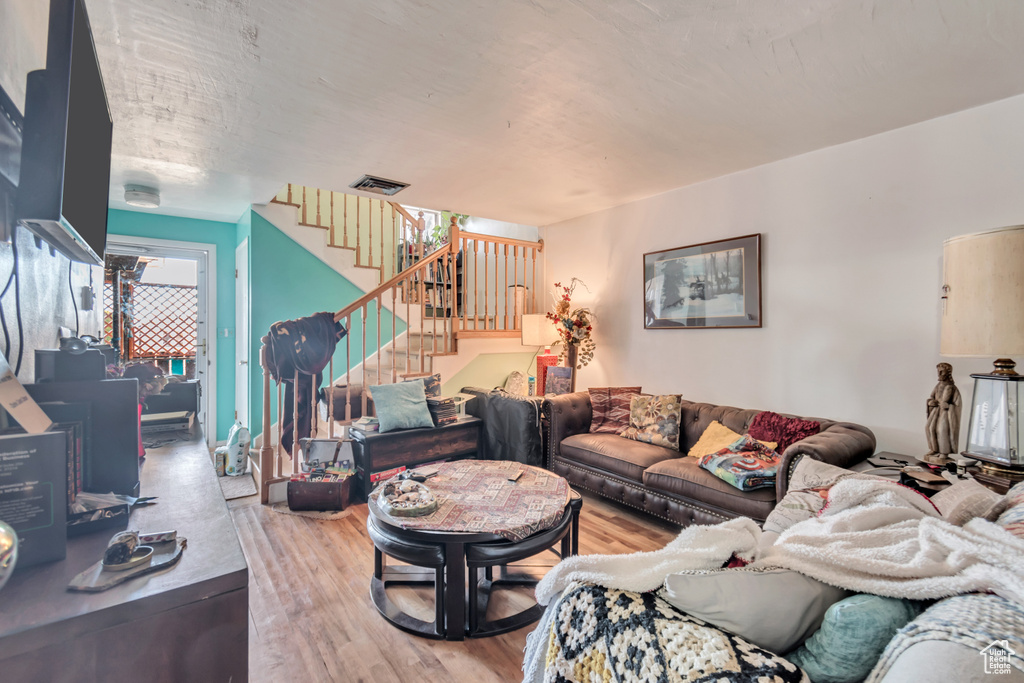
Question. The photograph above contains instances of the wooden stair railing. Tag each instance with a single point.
(371, 228)
(446, 294)
(412, 284)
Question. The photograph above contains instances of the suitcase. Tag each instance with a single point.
(321, 496)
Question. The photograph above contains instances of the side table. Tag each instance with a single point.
(376, 452)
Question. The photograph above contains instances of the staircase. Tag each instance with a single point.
(471, 286)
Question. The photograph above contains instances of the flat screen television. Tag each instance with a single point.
(65, 156)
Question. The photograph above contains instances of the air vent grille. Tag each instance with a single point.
(384, 186)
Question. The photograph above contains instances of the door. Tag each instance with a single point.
(164, 316)
(242, 333)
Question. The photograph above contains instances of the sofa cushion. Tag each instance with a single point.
(654, 419)
(697, 417)
(610, 408)
(769, 426)
(614, 454)
(684, 477)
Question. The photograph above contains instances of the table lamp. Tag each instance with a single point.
(538, 331)
(983, 316)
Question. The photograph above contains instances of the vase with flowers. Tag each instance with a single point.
(574, 326)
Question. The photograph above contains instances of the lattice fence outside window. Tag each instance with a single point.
(163, 321)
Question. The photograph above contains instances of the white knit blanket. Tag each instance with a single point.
(696, 547)
(871, 537)
(885, 539)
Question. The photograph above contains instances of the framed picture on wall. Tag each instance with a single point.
(712, 284)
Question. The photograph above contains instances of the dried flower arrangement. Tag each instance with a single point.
(574, 326)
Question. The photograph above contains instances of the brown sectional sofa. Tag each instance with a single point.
(664, 482)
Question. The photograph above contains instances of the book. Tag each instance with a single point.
(385, 474)
(366, 424)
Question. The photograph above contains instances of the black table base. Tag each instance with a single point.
(441, 559)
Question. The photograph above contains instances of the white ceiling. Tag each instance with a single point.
(530, 112)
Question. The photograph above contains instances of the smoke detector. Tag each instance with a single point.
(141, 197)
(369, 183)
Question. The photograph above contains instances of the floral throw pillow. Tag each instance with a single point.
(769, 426)
(610, 413)
(654, 420)
(746, 463)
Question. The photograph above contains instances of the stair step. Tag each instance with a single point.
(340, 246)
(314, 225)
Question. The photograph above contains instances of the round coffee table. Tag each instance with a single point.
(487, 517)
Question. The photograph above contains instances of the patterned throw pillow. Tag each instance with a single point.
(769, 426)
(610, 408)
(655, 420)
(431, 384)
(716, 437)
(746, 463)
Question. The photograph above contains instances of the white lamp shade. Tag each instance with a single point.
(538, 330)
(983, 277)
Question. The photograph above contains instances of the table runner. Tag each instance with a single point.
(476, 496)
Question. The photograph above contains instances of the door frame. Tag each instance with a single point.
(205, 256)
(242, 325)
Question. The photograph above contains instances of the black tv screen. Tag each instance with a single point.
(65, 175)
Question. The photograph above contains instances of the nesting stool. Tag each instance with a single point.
(496, 553)
(419, 554)
(575, 504)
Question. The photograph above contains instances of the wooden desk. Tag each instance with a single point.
(189, 623)
(376, 452)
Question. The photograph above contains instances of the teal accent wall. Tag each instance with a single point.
(288, 282)
(138, 224)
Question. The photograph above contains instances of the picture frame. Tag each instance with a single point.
(559, 380)
(708, 285)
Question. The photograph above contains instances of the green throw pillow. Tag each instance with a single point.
(852, 636)
(401, 406)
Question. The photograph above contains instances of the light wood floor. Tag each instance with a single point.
(311, 619)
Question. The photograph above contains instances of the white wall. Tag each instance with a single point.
(851, 273)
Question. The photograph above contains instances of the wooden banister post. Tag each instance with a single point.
(453, 235)
(266, 450)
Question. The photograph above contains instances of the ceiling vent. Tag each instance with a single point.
(371, 183)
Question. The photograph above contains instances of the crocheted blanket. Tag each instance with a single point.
(603, 634)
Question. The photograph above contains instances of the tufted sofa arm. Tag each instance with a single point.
(566, 414)
(841, 444)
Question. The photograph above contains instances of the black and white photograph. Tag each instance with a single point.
(714, 284)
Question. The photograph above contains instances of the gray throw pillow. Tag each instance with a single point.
(776, 609)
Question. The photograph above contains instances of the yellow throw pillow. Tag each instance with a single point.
(716, 437)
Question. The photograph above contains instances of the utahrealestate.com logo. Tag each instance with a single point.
(997, 657)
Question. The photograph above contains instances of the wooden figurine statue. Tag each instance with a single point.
(943, 426)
